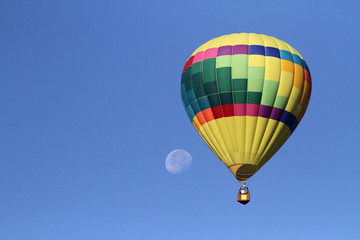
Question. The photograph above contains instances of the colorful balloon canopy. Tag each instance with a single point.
(245, 94)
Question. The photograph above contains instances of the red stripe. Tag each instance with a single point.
(252, 110)
(217, 112)
(188, 63)
(228, 110)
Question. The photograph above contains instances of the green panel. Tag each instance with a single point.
(254, 97)
(183, 77)
(210, 87)
(280, 102)
(240, 84)
(270, 86)
(209, 70)
(198, 85)
(223, 61)
(240, 97)
(214, 100)
(197, 67)
(256, 79)
(268, 99)
(187, 79)
(226, 98)
(239, 66)
(224, 79)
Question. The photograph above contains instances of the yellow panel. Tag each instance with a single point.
(255, 39)
(221, 133)
(235, 157)
(269, 131)
(286, 82)
(282, 132)
(282, 45)
(230, 40)
(269, 41)
(296, 94)
(217, 42)
(256, 60)
(207, 132)
(196, 123)
(260, 130)
(291, 106)
(297, 109)
(293, 100)
(250, 132)
(275, 65)
(241, 39)
(240, 122)
(210, 144)
(234, 137)
(217, 136)
(225, 133)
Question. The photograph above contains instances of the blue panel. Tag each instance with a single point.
(203, 103)
(190, 113)
(297, 60)
(195, 106)
(272, 52)
(286, 55)
(289, 120)
(191, 95)
(305, 65)
(256, 50)
(184, 95)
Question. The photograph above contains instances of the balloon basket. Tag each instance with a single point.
(243, 198)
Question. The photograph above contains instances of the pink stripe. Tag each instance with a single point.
(240, 109)
(199, 57)
(252, 109)
(210, 53)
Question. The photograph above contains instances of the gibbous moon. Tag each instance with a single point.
(178, 161)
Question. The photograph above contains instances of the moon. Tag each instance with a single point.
(178, 161)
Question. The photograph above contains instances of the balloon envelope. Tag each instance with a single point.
(245, 94)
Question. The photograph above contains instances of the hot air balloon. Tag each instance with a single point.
(245, 94)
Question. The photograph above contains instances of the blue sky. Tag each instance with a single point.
(90, 107)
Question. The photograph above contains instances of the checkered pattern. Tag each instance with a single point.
(245, 94)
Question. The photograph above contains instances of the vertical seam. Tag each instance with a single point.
(218, 151)
(268, 120)
(225, 129)
(232, 96)
(261, 162)
(262, 89)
